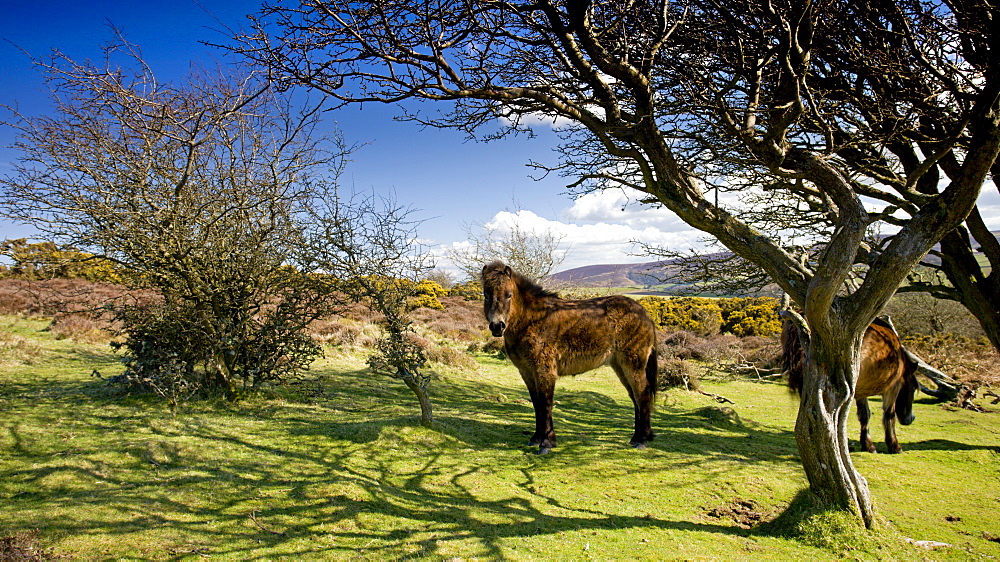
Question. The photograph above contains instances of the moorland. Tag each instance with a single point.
(334, 464)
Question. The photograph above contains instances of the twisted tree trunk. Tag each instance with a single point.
(821, 426)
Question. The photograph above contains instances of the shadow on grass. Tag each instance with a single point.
(946, 445)
(583, 417)
(326, 479)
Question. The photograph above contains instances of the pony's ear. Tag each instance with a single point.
(508, 271)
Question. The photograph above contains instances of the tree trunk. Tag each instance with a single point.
(821, 427)
(224, 375)
(426, 416)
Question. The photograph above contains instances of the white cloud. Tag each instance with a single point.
(604, 229)
(538, 121)
(621, 206)
(989, 206)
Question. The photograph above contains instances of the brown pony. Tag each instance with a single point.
(886, 368)
(547, 337)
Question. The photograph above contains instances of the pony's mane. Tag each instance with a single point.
(525, 285)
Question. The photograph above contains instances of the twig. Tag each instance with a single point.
(202, 551)
(719, 399)
(253, 517)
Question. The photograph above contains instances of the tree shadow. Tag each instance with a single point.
(946, 445)
(345, 470)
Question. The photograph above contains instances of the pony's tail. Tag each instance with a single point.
(791, 355)
(651, 371)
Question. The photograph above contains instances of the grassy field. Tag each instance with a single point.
(335, 467)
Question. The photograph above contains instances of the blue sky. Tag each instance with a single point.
(448, 180)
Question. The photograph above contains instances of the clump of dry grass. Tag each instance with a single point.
(460, 321)
(15, 349)
(80, 327)
(339, 331)
(684, 344)
(79, 309)
(488, 345)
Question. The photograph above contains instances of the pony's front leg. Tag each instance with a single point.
(541, 399)
(539, 410)
(541, 403)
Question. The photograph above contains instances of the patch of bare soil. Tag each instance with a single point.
(24, 546)
(742, 512)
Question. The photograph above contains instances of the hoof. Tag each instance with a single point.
(638, 445)
(544, 450)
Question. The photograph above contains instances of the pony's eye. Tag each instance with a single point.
(508, 295)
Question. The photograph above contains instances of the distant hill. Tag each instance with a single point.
(638, 275)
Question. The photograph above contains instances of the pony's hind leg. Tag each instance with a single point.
(864, 415)
(634, 381)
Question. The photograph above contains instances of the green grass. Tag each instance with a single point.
(336, 467)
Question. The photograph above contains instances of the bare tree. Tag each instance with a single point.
(370, 244)
(194, 189)
(534, 254)
(677, 100)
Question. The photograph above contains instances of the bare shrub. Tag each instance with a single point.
(683, 344)
(969, 360)
(750, 356)
(921, 313)
(676, 373)
(16, 298)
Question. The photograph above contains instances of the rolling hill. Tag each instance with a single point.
(639, 275)
(647, 275)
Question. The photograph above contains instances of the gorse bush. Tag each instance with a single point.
(247, 338)
(427, 294)
(702, 316)
(473, 290)
(46, 260)
(750, 316)
(707, 316)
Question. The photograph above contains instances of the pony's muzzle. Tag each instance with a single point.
(907, 420)
(497, 328)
